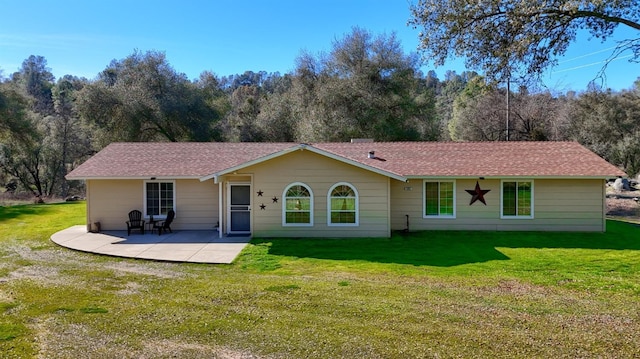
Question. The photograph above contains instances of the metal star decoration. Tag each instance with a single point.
(260, 193)
(477, 194)
(275, 199)
(262, 207)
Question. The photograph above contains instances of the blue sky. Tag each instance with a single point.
(81, 37)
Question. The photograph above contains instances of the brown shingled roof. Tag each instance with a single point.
(480, 159)
(171, 159)
(406, 159)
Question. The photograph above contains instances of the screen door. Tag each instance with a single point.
(239, 208)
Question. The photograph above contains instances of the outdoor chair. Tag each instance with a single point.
(135, 222)
(166, 224)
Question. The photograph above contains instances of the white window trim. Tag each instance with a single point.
(502, 215)
(284, 206)
(144, 196)
(355, 190)
(424, 200)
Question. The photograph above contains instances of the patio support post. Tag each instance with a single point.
(220, 224)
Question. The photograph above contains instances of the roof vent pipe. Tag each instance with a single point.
(372, 154)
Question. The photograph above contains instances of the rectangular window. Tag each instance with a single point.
(517, 199)
(439, 199)
(298, 218)
(160, 198)
(343, 210)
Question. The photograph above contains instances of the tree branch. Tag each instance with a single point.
(598, 15)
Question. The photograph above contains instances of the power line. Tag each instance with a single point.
(587, 55)
(591, 64)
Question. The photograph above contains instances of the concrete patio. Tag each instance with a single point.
(179, 246)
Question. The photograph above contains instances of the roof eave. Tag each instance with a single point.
(603, 177)
(148, 178)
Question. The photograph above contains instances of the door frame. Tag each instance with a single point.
(228, 209)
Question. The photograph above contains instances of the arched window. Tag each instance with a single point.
(343, 205)
(297, 205)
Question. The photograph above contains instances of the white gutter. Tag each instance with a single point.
(131, 178)
(564, 177)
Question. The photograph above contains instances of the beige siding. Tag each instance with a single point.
(319, 173)
(196, 205)
(559, 205)
(109, 202)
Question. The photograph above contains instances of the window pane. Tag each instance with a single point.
(298, 191)
(348, 204)
(290, 204)
(431, 198)
(298, 217)
(159, 198)
(240, 195)
(166, 197)
(509, 198)
(336, 204)
(153, 199)
(343, 205)
(524, 198)
(439, 198)
(298, 205)
(343, 191)
(343, 217)
(303, 204)
(446, 198)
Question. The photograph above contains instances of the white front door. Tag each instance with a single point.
(239, 208)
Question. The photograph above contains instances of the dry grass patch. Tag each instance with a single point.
(57, 338)
(423, 295)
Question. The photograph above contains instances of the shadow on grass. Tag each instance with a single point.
(11, 212)
(450, 248)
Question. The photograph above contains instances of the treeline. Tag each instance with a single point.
(365, 87)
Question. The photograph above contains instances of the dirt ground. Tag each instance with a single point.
(624, 205)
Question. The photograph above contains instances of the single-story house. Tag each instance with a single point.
(358, 189)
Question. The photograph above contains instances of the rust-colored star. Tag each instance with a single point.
(477, 194)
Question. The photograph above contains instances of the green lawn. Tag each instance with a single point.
(423, 295)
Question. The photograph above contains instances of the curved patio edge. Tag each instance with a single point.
(179, 246)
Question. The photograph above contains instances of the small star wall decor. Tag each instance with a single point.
(262, 207)
(477, 194)
(260, 193)
(275, 199)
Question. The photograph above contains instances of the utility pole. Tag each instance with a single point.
(508, 106)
